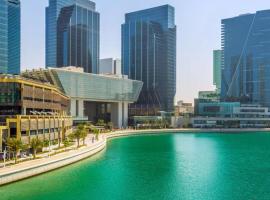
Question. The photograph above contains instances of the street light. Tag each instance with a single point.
(49, 148)
(4, 156)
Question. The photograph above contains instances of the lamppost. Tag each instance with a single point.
(49, 148)
(4, 156)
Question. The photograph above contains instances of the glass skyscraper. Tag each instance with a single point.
(10, 36)
(149, 55)
(246, 58)
(72, 34)
(217, 55)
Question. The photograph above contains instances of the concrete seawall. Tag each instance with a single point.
(36, 167)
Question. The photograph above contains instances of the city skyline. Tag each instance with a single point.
(206, 33)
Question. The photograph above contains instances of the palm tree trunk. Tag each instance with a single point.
(16, 153)
(35, 153)
(78, 142)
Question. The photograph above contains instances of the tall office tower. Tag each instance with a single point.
(72, 34)
(217, 55)
(246, 58)
(149, 55)
(10, 36)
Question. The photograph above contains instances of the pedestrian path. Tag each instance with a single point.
(45, 158)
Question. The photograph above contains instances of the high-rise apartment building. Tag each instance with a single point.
(217, 55)
(246, 58)
(149, 55)
(72, 34)
(10, 36)
(110, 66)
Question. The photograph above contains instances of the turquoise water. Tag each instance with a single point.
(180, 166)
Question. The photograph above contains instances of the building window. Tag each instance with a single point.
(77, 108)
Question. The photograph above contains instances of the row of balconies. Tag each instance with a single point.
(35, 124)
(41, 105)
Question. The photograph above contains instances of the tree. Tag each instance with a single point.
(66, 143)
(96, 133)
(15, 145)
(79, 133)
(110, 126)
(59, 139)
(82, 132)
(46, 143)
(35, 144)
(101, 122)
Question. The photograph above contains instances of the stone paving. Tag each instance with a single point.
(44, 158)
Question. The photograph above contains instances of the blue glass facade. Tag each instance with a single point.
(10, 36)
(72, 34)
(217, 109)
(149, 55)
(246, 58)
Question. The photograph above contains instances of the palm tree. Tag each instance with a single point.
(59, 139)
(82, 132)
(110, 125)
(66, 143)
(35, 144)
(78, 134)
(15, 145)
(46, 143)
(96, 132)
(101, 122)
(83, 135)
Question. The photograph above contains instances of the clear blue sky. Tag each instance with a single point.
(198, 24)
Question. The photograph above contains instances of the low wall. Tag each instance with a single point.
(24, 173)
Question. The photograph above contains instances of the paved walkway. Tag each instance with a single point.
(44, 158)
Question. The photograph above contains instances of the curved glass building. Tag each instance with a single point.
(10, 36)
(93, 96)
(149, 55)
(72, 34)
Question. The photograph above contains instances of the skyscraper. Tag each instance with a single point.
(246, 58)
(72, 34)
(10, 36)
(149, 55)
(217, 55)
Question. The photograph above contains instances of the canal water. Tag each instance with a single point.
(176, 166)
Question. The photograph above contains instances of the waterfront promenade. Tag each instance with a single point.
(35, 167)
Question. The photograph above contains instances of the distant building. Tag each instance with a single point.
(10, 36)
(209, 95)
(217, 59)
(182, 109)
(246, 58)
(149, 55)
(93, 96)
(205, 97)
(217, 109)
(72, 34)
(110, 66)
(231, 115)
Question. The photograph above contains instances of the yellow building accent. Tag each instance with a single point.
(32, 83)
(63, 123)
(1, 135)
